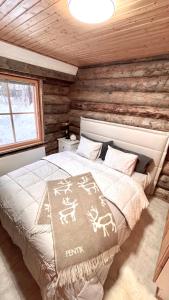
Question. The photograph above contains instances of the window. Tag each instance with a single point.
(20, 113)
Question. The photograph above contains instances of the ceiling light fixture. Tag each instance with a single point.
(92, 11)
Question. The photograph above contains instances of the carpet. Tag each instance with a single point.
(128, 287)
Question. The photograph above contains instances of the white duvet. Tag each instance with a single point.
(20, 195)
(117, 187)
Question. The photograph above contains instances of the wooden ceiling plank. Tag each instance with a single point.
(47, 36)
(140, 53)
(8, 6)
(161, 32)
(72, 18)
(53, 28)
(19, 10)
(30, 13)
(114, 37)
(139, 28)
(44, 15)
(116, 55)
(127, 47)
(50, 20)
(145, 47)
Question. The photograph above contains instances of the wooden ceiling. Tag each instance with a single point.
(140, 28)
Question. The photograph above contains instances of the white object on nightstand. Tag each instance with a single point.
(67, 145)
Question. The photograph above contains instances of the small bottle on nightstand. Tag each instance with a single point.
(67, 134)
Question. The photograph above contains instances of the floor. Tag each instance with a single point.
(139, 252)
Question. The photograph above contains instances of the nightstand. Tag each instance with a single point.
(67, 145)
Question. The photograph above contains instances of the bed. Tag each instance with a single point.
(21, 192)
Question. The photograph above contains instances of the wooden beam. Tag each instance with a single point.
(22, 68)
(137, 84)
(140, 111)
(54, 118)
(56, 108)
(55, 99)
(123, 119)
(142, 69)
(52, 137)
(50, 128)
(127, 98)
(57, 89)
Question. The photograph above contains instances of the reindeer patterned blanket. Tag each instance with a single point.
(84, 229)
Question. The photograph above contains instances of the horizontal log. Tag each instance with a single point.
(143, 84)
(51, 146)
(165, 169)
(52, 137)
(50, 128)
(50, 89)
(55, 99)
(163, 182)
(74, 129)
(142, 111)
(123, 119)
(74, 120)
(127, 98)
(56, 108)
(7, 64)
(141, 69)
(55, 118)
(162, 193)
(52, 81)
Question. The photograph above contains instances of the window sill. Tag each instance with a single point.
(21, 149)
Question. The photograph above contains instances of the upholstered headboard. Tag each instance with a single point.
(152, 143)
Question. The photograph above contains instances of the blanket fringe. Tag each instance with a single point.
(85, 270)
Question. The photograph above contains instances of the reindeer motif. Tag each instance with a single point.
(102, 200)
(46, 207)
(101, 222)
(65, 187)
(88, 186)
(69, 211)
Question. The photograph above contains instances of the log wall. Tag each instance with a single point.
(134, 94)
(56, 106)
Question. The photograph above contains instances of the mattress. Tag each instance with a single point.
(143, 179)
(21, 192)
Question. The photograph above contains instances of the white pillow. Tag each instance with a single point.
(89, 149)
(121, 161)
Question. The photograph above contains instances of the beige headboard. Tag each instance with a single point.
(152, 143)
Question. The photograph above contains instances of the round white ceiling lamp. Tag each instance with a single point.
(92, 11)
